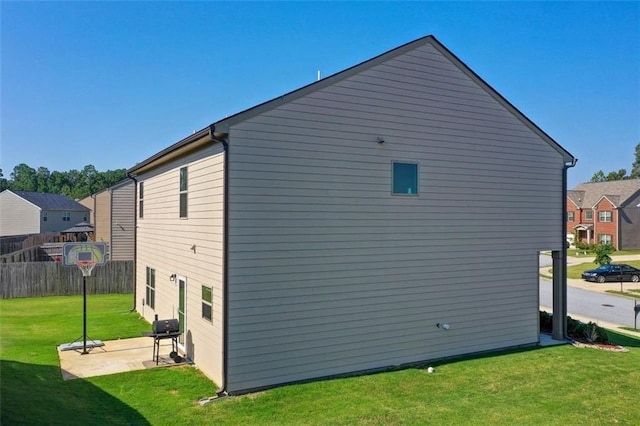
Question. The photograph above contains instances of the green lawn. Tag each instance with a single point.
(573, 252)
(559, 385)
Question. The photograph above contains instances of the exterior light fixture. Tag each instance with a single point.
(172, 277)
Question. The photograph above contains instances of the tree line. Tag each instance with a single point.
(74, 183)
(621, 174)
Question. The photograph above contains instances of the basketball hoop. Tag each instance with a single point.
(86, 266)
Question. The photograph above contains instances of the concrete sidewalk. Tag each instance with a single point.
(116, 356)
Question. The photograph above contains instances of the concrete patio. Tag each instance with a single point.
(116, 356)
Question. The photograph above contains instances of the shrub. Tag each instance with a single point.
(602, 254)
(590, 332)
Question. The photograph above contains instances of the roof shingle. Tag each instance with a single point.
(51, 201)
(586, 195)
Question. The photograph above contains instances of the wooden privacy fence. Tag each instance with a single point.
(33, 279)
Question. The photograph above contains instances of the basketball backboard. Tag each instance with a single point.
(72, 253)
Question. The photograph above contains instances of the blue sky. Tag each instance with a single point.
(111, 83)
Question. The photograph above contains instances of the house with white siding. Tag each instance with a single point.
(28, 213)
(386, 215)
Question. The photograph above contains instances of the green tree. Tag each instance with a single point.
(23, 178)
(635, 168)
(599, 176)
(603, 254)
(4, 183)
(43, 176)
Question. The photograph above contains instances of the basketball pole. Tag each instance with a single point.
(84, 314)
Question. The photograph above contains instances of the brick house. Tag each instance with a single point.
(605, 212)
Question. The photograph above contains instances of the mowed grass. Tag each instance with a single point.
(559, 385)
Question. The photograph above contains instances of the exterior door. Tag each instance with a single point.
(182, 308)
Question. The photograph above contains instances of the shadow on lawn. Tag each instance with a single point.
(36, 394)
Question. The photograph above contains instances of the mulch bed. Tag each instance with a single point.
(602, 346)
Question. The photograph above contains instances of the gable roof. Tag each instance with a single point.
(51, 201)
(587, 195)
(221, 128)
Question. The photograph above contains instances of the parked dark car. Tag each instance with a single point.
(612, 272)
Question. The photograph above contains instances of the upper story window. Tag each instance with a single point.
(44, 216)
(141, 199)
(66, 217)
(588, 215)
(604, 216)
(183, 192)
(405, 178)
(571, 216)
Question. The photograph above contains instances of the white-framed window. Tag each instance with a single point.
(151, 288)
(571, 216)
(183, 192)
(66, 217)
(605, 238)
(44, 216)
(141, 200)
(604, 216)
(588, 215)
(207, 303)
(404, 178)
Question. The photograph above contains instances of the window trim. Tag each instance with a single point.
(207, 303)
(605, 235)
(605, 216)
(184, 191)
(393, 178)
(571, 216)
(66, 217)
(141, 200)
(588, 215)
(150, 293)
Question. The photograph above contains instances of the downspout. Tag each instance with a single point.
(559, 319)
(222, 390)
(135, 239)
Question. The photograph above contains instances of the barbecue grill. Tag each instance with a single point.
(165, 329)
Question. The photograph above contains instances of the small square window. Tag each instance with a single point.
(588, 215)
(405, 178)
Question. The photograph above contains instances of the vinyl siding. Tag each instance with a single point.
(123, 221)
(18, 216)
(102, 218)
(329, 273)
(164, 244)
(630, 224)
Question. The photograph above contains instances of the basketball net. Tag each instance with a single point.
(86, 267)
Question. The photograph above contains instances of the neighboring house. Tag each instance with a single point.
(114, 219)
(90, 203)
(386, 215)
(605, 212)
(24, 213)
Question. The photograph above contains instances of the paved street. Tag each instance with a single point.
(595, 305)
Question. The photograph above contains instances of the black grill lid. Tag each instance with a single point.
(166, 326)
